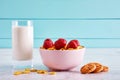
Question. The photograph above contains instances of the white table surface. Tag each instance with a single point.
(106, 56)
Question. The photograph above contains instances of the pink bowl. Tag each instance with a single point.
(62, 59)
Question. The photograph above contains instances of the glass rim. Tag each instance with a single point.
(16, 22)
(21, 20)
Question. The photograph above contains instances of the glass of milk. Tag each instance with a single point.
(22, 43)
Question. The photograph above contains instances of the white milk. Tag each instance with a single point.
(22, 42)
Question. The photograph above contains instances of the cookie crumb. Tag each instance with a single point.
(52, 73)
(33, 70)
(25, 72)
(17, 73)
(42, 72)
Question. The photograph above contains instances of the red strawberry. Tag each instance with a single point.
(48, 43)
(76, 41)
(72, 44)
(60, 43)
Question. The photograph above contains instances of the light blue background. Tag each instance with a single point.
(96, 23)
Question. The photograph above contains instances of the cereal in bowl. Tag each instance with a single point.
(61, 44)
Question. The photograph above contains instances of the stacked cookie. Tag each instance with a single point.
(93, 67)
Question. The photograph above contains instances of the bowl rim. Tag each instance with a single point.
(63, 50)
